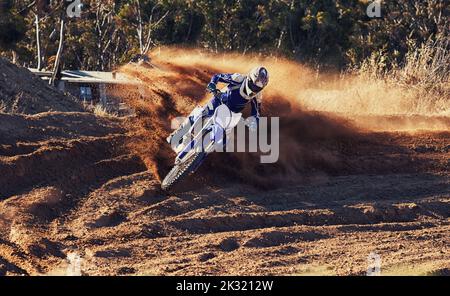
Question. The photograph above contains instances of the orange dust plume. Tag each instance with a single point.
(310, 141)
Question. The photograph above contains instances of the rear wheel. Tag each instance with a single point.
(182, 170)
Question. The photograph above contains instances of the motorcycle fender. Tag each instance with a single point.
(196, 113)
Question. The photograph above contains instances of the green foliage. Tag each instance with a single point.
(335, 33)
(12, 26)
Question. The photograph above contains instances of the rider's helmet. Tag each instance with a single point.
(256, 81)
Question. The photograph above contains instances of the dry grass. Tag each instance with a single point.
(418, 86)
(424, 76)
(100, 110)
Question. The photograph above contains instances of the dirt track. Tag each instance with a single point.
(70, 189)
(75, 184)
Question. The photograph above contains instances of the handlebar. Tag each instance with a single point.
(216, 92)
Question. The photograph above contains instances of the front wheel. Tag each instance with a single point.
(182, 170)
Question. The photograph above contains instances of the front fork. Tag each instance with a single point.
(216, 132)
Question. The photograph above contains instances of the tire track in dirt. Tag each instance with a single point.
(72, 184)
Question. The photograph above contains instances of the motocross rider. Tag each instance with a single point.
(241, 91)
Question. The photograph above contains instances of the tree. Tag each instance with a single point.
(57, 68)
(141, 19)
(335, 33)
(12, 28)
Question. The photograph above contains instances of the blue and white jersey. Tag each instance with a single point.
(234, 97)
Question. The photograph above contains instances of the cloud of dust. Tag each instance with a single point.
(309, 140)
(177, 84)
(377, 104)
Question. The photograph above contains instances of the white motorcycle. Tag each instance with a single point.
(202, 141)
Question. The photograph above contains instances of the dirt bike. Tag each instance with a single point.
(204, 140)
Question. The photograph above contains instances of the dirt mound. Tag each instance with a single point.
(23, 92)
(49, 162)
(129, 224)
(58, 145)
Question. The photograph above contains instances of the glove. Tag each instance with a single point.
(252, 124)
(212, 87)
